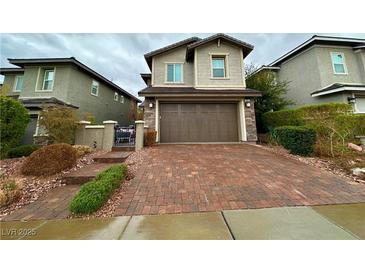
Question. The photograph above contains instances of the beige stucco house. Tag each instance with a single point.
(196, 91)
(39, 82)
(324, 69)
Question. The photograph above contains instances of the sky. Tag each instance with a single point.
(119, 57)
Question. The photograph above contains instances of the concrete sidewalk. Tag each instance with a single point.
(321, 222)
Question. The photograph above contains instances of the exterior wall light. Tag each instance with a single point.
(351, 100)
(150, 105)
(248, 103)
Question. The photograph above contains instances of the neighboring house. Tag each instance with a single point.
(197, 91)
(324, 69)
(66, 82)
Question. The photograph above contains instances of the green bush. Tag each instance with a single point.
(20, 151)
(297, 139)
(286, 117)
(94, 194)
(14, 119)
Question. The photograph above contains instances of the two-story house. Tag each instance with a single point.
(66, 81)
(324, 69)
(196, 91)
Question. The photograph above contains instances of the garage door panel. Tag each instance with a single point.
(198, 122)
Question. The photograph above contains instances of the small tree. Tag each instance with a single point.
(14, 118)
(59, 123)
(273, 92)
(88, 116)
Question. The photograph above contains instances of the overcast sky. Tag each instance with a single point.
(119, 57)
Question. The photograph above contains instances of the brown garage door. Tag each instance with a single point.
(198, 122)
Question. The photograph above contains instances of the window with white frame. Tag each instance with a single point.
(48, 79)
(94, 88)
(122, 99)
(338, 63)
(218, 67)
(115, 96)
(174, 73)
(18, 83)
(360, 105)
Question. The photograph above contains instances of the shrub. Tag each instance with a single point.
(10, 191)
(149, 137)
(94, 194)
(14, 119)
(59, 123)
(298, 140)
(20, 151)
(82, 150)
(287, 117)
(49, 160)
(88, 116)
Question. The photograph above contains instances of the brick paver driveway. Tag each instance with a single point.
(191, 178)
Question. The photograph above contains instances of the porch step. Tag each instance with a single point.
(123, 148)
(112, 157)
(85, 174)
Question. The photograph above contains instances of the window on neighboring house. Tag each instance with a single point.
(338, 63)
(115, 96)
(48, 79)
(218, 67)
(95, 88)
(18, 83)
(174, 73)
(122, 99)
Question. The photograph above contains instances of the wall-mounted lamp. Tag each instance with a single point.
(150, 105)
(248, 103)
(351, 100)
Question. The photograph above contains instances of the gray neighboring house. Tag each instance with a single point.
(67, 82)
(324, 69)
(196, 92)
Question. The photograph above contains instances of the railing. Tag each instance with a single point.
(124, 136)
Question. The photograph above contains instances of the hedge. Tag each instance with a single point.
(94, 194)
(297, 139)
(20, 151)
(304, 116)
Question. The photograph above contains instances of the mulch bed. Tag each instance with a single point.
(35, 187)
(327, 164)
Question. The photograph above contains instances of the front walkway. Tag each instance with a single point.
(199, 178)
(324, 222)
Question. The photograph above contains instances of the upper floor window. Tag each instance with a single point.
(18, 83)
(95, 88)
(174, 73)
(218, 67)
(48, 79)
(116, 96)
(122, 99)
(338, 63)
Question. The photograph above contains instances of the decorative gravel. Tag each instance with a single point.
(324, 164)
(35, 187)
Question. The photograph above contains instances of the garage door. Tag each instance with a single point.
(203, 122)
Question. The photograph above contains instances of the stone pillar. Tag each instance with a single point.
(80, 132)
(139, 134)
(108, 136)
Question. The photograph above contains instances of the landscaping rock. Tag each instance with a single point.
(354, 147)
(358, 171)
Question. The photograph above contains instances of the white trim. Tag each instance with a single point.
(44, 68)
(95, 126)
(91, 88)
(332, 53)
(116, 96)
(196, 67)
(242, 120)
(338, 90)
(44, 79)
(157, 120)
(182, 72)
(16, 79)
(153, 72)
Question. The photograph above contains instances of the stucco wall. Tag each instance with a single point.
(234, 65)
(8, 84)
(327, 74)
(178, 56)
(361, 62)
(103, 106)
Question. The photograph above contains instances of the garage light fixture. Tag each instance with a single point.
(351, 100)
(248, 103)
(150, 105)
